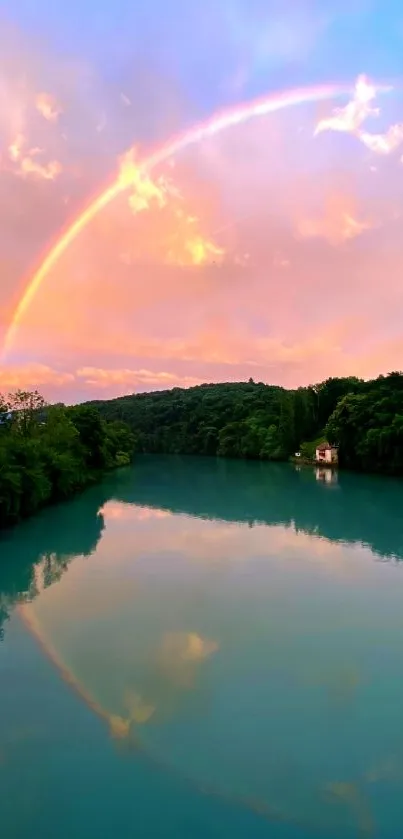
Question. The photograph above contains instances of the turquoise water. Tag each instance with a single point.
(205, 647)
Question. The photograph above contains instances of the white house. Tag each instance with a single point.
(325, 453)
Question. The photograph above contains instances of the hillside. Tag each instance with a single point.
(255, 420)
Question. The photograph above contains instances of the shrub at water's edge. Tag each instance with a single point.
(49, 453)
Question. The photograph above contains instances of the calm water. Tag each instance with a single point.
(209, 649)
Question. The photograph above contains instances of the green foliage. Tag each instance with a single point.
(118, 443)
(308, 449)
(49, 453)
(230, 420)
(89, 425)
(329, 393)
(245, 419)
(368, 426)
(257, 421)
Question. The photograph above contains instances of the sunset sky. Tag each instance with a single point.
(271, 249)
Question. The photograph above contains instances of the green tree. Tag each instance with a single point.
(27, 408)
(50, 452)
(88, 422)
(368, 426)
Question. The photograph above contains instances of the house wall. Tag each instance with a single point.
(327, 456)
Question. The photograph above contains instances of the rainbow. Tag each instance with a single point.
(214, 125)
(27, 615)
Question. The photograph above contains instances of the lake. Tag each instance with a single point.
(206, 648)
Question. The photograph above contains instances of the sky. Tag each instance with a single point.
(269, 249)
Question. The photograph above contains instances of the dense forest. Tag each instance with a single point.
(254, 420)
(48, 453)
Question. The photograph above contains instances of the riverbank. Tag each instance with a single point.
(51, 453)
(307, 461)
(265, 422)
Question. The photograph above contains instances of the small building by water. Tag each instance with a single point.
(325, 453)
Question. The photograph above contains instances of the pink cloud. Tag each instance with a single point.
(32, 376)
(301, 280)
(89, 380)
(132, 379)
(48, 106)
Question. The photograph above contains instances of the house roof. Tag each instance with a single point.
(324, 447)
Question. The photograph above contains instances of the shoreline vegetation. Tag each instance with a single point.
(264, 422)
(51, 452)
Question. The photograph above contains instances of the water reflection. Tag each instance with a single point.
(36, 554)
(328, 476)
(364, 511)
(229, 620)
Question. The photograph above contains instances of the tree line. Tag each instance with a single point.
(50, 452)
(255, 420)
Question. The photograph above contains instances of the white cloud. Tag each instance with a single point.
(351, 117)
(355, 113)
(383, 143)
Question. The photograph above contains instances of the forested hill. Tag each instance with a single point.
(254, 420)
